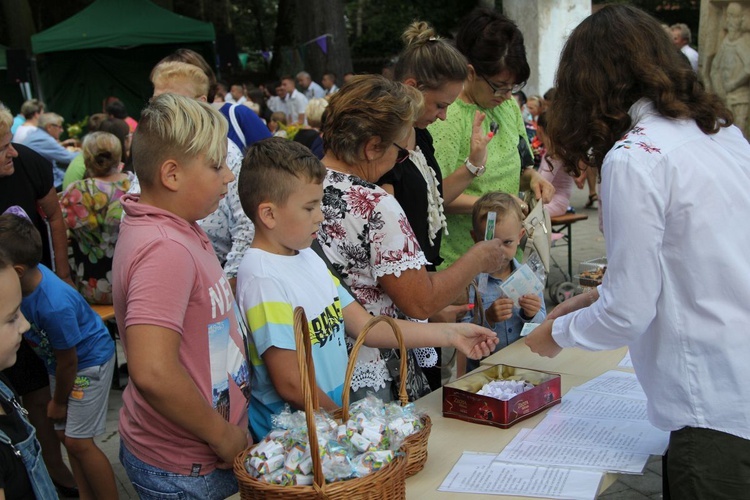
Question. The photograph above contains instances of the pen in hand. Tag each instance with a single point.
(493, 129)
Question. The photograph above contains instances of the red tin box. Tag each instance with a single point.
(461, 401)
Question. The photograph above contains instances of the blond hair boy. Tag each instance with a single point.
(501, 314)
(174, 76)
(184, 415)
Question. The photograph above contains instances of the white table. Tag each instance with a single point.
(451, 437)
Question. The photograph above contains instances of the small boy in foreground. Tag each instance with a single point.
(281, 189)
(77, 349)
(18, 479)
(501, 315)
(184, 414)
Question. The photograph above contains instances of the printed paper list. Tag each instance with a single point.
(476, 473)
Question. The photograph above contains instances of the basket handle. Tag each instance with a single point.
(403, 398)
(309, 391)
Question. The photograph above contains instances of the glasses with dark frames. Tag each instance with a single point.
(501, 91)
(403, 154)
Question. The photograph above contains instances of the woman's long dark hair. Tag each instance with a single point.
(611, 60)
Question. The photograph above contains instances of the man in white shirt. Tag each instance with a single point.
(681, 39)
(329, 83)
(311, 89)
(236, 94)
(276, 102)
(295, 102)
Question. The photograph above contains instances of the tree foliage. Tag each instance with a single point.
(385, 20)
(371, 29)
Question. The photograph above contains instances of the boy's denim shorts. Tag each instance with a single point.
(152, 483)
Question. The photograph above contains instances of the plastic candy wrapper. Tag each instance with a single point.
(536, 265)
(280, 476)
(403, 421)
(267, 465)
(371, 461)
(294, 457)
(335, 463)
(286, 420)
(504, 390)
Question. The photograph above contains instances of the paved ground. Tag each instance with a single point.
(588, 243)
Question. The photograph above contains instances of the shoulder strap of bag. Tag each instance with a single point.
(236, 125)
(538, 228)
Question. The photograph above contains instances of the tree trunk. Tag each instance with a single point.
(285, 36)
(314, 19)
(360, 15)
(19, 23)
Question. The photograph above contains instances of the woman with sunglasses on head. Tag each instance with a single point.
(438, 70)
(493, 46)
(366, 235)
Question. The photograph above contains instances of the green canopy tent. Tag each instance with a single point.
(109, 49)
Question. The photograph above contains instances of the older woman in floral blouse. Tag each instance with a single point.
(366, 234)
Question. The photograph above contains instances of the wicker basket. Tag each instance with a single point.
(415, 445)
(387, 483)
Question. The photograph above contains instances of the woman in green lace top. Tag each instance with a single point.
(494, 47)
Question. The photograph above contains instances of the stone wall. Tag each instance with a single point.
(724, 47)
(545, 25)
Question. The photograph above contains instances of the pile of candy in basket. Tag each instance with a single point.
(365, 443)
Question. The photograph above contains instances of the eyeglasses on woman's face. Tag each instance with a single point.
(403, 154)
(502, 91)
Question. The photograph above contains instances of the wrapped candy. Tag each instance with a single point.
(360, 443)
(267, 465)
(294, 457)
(374, 434)
(335, 463)
(343, 435)
(279, 476)
(306, 465)
(303, 480)
(268, 449)
(371, 461)
(504, 390)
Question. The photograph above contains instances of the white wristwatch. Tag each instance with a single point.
(476, 171)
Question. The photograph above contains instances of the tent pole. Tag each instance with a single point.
(216, 61)
(35, 79)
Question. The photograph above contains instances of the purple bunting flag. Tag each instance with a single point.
(323, 43)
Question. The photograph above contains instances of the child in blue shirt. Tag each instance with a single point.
(75, 345)
(501, 314)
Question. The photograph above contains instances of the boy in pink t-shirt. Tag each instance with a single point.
(184, 414)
